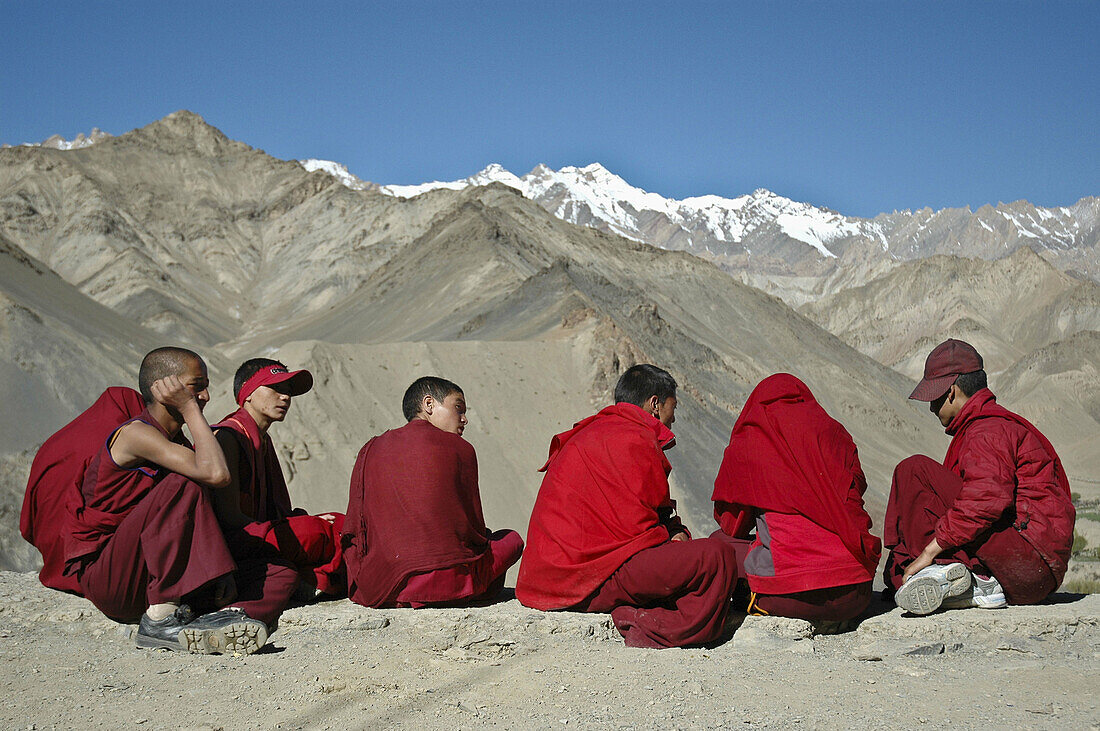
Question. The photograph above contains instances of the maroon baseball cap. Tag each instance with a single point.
(949, 360)
(299, 381)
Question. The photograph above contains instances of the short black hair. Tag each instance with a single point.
(971, 383)
(642, 381)
(249, 368)
(434, 386)
(161, 363)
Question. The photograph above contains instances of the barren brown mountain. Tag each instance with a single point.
(175, 234)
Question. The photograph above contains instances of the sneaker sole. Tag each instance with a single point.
(983, 603)
(925, 594)
(242, 637)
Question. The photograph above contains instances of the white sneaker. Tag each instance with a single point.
(983, 593)
(925, 590)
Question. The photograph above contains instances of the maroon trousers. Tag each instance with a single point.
(831, 604)
(672, 595)
(922, 491)
(169, 548)
(468, 584)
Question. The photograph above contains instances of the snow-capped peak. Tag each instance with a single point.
(57, 142)
(336, 170)
(592, 195)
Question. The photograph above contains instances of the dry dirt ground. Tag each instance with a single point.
(336, 665)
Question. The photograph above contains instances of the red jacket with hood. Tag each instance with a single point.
(1009, 469)
(793, 470)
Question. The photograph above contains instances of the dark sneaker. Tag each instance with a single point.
(164, 632)
(225, 631)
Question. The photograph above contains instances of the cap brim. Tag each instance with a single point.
(299, 382)
(930, 389)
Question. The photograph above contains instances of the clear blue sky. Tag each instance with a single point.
(864, 107)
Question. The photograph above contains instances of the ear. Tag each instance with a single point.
(427, 404)
(652, 403)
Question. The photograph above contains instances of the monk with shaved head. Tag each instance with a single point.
(604, 536)
(143, 541)
(415, 533)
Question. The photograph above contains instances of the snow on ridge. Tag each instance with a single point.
(57, 142)
(593, 194)
(336, 170)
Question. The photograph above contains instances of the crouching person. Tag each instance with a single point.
(415, 535)
(992, 525)
(143, 540)
(604, 537)
(256, 506)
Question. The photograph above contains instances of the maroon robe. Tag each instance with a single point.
(311, 542)
(414, 509)
(53, 490)
(107, 495)
(145, 535)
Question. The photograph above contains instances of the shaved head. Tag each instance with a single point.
(161, 363)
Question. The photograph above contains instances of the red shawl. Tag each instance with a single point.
(264, 494)
(414, 507)
(787, 455)
(53, 490)
(598, 505)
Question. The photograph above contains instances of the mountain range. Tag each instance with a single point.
(766, 232)
(173, 233)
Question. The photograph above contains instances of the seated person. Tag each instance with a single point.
(792, 472)
(256, 501)
(142, 539)
(992, 525)
(415, 535)
(604, 536)
(53, 489)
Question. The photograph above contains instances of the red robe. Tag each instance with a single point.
(53, 490)
(311, 542)
(601, 502)
(414, 507)
(796, 469)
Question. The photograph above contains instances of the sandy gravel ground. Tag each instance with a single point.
(336, 665)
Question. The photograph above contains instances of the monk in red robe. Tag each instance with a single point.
(791, 471)
(53, 489)
(604, 536)
(256, 503)
(993, 524)
(415, 535)
(142, 540)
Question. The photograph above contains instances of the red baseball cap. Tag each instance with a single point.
(947, 361)
(299, 381)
